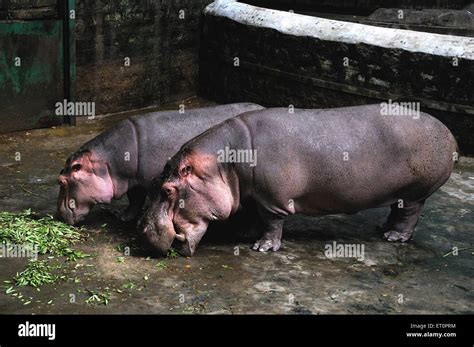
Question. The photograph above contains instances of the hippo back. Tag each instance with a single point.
(160, 135)
(352, 154)
(137, 148)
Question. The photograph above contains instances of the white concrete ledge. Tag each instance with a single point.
(352, 33)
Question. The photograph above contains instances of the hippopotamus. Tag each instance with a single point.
(126, 158)
(315, 162)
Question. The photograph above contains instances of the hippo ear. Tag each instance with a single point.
(185, 170)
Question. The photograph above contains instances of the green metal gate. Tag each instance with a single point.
(37, 62)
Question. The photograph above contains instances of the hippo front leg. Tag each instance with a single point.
(272, 225)
(136, 199)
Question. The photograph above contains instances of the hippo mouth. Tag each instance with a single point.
(68, 216)
(65, 212)
(162, 241)
(162, 233)
(181, 243)
(186, 242)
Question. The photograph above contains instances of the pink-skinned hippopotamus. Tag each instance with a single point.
(315, 162)
(125, 158)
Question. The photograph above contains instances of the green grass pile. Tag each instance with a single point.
(45, 234)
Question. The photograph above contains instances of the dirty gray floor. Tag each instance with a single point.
(393, 278)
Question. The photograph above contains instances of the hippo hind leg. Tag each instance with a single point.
(402, 221)
(136, 199)
(272, 225)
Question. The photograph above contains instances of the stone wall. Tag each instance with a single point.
(266, 57)
(161, 40)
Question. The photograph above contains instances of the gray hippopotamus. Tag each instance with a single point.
(315, 162)
(125, 158)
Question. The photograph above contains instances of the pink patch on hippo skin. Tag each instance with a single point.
(86, 181)
(62, 181)
(93, 178)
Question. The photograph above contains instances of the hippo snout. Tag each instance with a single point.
(59, 217)
(159, 240)
(65, 215)
(71, 217)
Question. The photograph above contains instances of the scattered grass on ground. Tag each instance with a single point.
(36, 274)
(43, 235)
(172, 253)
(98, 297)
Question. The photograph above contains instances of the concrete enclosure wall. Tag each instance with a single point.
(161, 40)
(278, 58)
(359, 6)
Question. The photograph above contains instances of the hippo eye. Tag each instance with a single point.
(168, 191)
(76, 167)
(186, 170)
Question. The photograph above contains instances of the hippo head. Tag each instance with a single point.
(84, 182)
(193, 190)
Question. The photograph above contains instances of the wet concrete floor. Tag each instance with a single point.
(225, 276)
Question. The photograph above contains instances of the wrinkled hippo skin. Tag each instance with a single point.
(126, 158)
(316, 162)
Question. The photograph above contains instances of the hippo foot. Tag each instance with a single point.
(394, 235)
(264, 245)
